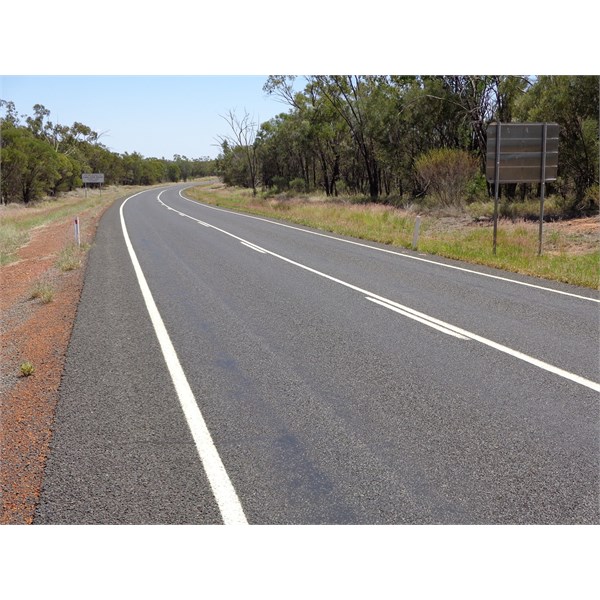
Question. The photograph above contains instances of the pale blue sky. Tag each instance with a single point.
(67, 59)
(154, 115)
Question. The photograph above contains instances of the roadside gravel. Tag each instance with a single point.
(39, 333)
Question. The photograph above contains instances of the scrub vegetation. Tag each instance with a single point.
(364, 155)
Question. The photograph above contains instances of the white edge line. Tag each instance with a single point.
(401, 254)
(223, 490)
(419, 319)
(505, 349)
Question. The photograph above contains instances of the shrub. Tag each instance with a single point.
(591, 199)
(279, 183)
(298, 185)
(27, 369)
(445, 173)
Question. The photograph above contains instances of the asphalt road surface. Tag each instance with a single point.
(230, 369)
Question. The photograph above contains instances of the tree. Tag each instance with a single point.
(243, 136)
(30, 167)
(350, 96)
(572, 102)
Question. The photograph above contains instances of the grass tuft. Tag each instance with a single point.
(43, 291)
(70, 258)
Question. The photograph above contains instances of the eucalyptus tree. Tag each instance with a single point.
(474, 101)
(30, 167)
(351, 98)
(572, 102)
(243, 136)
(322, 129)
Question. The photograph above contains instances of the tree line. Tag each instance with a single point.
(42, 158)
(391, 138)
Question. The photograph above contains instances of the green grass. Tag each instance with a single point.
(565, 258)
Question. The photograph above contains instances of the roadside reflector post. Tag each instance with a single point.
(415, 240)
(77, 234)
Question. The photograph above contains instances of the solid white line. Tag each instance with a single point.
(505, 349)
(396, 253)
(225, 495)
(419, 319)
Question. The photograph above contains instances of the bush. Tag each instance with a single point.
(476, 190)
(591, 199)
(445, 174)
(298, 185)
(279, 183)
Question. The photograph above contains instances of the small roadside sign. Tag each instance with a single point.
(92, 177)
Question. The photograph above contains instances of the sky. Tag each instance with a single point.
(159, 82)
(157, 116)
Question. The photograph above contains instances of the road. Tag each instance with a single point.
(232, 369)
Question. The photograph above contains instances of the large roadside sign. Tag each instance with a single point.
(522, 152)
(92, 177)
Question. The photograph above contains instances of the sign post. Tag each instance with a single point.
(522, 153)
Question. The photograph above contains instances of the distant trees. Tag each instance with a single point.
(371, 136)
(39, 157)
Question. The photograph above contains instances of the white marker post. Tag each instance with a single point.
(77, 234)
(415, 240)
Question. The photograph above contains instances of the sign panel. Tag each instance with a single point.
(522, 152)
(92, 177)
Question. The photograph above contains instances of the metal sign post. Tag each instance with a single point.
(496, 184)
(543, 185)
(528, 154)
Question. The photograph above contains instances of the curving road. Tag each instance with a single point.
(231, 369)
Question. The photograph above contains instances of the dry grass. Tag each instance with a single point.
(571, 249)
(18, 220)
